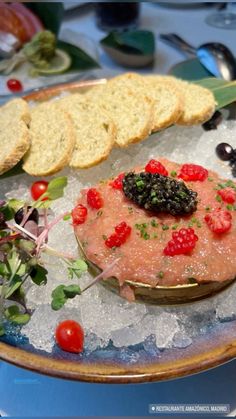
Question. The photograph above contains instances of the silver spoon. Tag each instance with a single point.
(214, 56)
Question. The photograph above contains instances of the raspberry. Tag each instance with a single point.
(219, 221)
(113, 241)
(79, 214)
(122, 232)
(117, 182)
(228, 195)
(155, 166)
(94, 198)
(193, 172)
(183, 241)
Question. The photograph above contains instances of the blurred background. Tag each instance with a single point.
(191, 40)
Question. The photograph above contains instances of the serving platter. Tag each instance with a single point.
(208, 350)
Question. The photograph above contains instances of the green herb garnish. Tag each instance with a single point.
(21, 255)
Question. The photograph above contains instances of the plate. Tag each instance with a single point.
(21, 72)
(214, 346)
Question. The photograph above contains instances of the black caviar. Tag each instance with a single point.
(159, 193)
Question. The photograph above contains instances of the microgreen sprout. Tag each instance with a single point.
(22, 245)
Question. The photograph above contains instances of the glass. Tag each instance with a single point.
(117, 16)
(225, 19)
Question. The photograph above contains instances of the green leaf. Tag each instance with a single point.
(225, 95)
(224, 92)
(61, 294)
(21, 318)
(22, 269)
(11, 311)
(55, 188)
(50, 14)
(39, 275)
(77, 268)
(3, 269)
(211, 82)
(67, 217)
(26, 245)
(43, 204)
(80, 59)
(13, 286)
(72, 290)
(15, 204)
(13, 260)
(70, 273)
(58, 297)
(2, 331)
(13, 314)
(7, 212)
(140, 42)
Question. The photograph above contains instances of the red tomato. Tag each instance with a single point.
(14, 85)
(70, 336)
(38, 188)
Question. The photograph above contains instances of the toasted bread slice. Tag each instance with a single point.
(95, 130)
(131, 111)
(52, 140)
(167, 100)
(14, 133)
(198, 102)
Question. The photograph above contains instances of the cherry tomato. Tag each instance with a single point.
(14, 85)
(70, 336)
(38, 188)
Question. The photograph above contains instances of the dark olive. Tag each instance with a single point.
(213, 122)
(224, 151)
(34, 216)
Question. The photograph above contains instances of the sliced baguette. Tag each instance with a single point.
(131, 111)
(52, 140)
(198, 102)
(95, 130)
(14, 133)
(167, 100)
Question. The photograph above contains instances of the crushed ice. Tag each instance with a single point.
(105, 316)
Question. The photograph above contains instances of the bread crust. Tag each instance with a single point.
(49, 110)
(19, 143)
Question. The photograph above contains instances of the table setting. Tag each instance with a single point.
(175, 337)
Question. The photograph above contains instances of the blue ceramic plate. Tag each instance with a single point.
(213, 344)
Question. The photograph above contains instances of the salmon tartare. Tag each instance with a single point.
(166, 224)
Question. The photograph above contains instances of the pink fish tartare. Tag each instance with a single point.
(166, 224)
